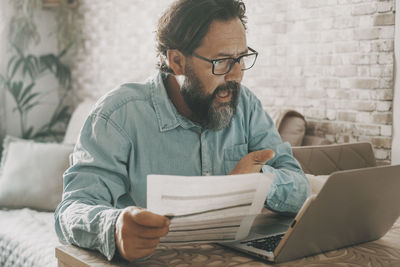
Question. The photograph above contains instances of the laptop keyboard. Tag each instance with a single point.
(265, 243)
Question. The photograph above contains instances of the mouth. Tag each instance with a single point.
(224, 96)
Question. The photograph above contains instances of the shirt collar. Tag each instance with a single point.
(167, 115)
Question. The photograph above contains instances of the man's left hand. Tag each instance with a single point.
(253, 162)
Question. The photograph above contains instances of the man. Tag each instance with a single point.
(193, 118)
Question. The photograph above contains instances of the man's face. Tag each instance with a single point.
(212, 114)
(213, 98)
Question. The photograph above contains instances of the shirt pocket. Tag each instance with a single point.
(232, 155)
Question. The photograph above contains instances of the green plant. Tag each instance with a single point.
(24, 69)
(23, 29)
(67, 31)
(33, 68)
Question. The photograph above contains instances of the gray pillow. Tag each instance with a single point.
(31, 173)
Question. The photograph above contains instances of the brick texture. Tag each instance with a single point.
(332, 60)
(344, 52)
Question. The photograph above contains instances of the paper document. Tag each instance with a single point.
(208, 208)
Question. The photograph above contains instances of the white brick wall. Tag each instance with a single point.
(3, 58)
(329, 59)
(395, 155)
(119, 44)
(335, 64)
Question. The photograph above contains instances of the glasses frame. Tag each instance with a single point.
(235, 60)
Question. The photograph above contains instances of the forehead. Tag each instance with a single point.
(224, 37)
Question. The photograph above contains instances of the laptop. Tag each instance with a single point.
(353, 207)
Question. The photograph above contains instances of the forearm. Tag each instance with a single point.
(87, 225)
(290, 187)
(289, 190)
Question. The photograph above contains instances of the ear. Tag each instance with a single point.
(176, 61)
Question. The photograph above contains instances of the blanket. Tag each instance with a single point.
(27, 238)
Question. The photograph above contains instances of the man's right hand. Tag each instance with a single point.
(138, 232)
(253, 162)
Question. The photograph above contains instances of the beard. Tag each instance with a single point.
(212, 114)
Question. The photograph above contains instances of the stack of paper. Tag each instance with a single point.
(208, 208)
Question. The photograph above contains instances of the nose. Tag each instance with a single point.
(236, 74)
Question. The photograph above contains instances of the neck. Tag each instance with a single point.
(174, 93)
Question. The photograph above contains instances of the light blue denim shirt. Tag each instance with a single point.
(134, 131)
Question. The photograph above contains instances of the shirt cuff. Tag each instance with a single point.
(108, 248)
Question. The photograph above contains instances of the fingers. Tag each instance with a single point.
(143, 243)
(147, 218)
(138, 232)
(262, 156)
(144, 224)
(253, 162)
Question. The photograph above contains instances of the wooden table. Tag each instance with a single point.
(383, 252)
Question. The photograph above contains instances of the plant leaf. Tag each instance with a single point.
(32, 63)
(65, 50)
(63, 75)
(63, 113)
(26, 91)
(28, 99)
(28, 68)
(27, 134)
(16, 66)
(15, 90)
(2, 79)
(38, 66)
(44, 62)
(60, 116)
(19, 51)
(49, 132)
(48, 62)
(60, 70)
(11, 62)
(27, 108)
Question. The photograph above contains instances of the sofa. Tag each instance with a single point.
(31, 187)
(293, 128)
(30, 190)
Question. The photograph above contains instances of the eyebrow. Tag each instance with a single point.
(222, 54)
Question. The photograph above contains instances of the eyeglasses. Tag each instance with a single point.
(224, 65)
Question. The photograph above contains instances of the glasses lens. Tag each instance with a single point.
(248, 61)
(222, 66)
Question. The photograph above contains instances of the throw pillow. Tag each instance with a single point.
(291, 125)
(292, 130)
(31, 174)
(77, 120)
(7, 140)
(316, 182)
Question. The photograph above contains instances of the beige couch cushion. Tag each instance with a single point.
(77, 120)
(325, 159)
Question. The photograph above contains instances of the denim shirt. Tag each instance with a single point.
(134, 131)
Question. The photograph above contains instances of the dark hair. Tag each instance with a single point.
(185, 23)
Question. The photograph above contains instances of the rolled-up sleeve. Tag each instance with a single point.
(98, 176)
(290, 187)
